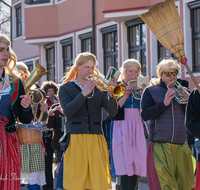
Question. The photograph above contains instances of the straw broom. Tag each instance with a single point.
(164, 22)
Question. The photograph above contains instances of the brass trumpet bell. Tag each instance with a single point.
(118, 91)
(181, 94)
(36, 74)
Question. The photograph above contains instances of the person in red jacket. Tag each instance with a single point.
(14, 104)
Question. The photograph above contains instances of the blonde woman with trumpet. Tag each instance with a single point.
(85, 163)
(170, 163)
(128, 140)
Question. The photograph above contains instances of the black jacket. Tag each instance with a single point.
(167, 122)
(193, 114)
(24, 115)
(84, 115)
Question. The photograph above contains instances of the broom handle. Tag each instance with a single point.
(192, 77)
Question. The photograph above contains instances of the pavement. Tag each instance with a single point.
(143, 185)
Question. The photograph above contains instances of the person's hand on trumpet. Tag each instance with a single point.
(112, 83)
(89, 86)
(168, 97)
(43, 107)
(184, 96)
(51, 111)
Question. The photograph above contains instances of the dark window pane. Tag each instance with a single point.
(86, 45)
(67, 57)
(135, 55)
(109, 42)
(197, 54)
(108, 63)
(144, 65)
(116, 61)
(18, 21)
(137, 44)
(143, 34)
(50, 64)
(134, 36)
(116, 41)
(197, 20)
(110, 45)
(39, 1)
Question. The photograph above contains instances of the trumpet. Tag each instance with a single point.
(118, 91)
(36, 74)
(54, 107)
(178, 90)
(135, 90)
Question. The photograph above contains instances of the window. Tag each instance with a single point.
(195, 25)
(110, 47)
(18, 11)
(30, 65)
(137, 42)
(67, 54)
(36, 1)
(163, 52)
(50, 59)
(86, 42)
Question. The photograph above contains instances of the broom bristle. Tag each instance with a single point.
(164, 22)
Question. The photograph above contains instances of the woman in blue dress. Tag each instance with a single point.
(128, 143)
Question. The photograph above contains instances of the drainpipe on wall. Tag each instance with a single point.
(93, 27)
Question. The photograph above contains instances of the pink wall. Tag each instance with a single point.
(24, 51)
(59, 19)
(40, 21)
(73, 14)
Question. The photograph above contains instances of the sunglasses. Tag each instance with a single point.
(168, 74)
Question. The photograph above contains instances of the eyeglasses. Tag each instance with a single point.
(168, 74)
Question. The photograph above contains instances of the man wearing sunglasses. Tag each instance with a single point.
(167, 151)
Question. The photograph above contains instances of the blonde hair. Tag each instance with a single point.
(22, 66)
(80, 60)
(164, 66)
(126, 64)
(11, 60)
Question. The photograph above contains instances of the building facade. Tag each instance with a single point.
(53, 32)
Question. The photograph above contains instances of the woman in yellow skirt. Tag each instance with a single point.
(85, 163)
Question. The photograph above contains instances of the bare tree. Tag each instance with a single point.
(5, 17)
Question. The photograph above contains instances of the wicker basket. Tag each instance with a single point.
(29, 136)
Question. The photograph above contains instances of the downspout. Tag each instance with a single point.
(93, 27)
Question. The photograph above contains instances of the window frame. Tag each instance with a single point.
(132, 23)
(195, 35)
(18, 7)
(83, 38)
(64, 44)
(105, 31)
(47, 48)
(32, 2)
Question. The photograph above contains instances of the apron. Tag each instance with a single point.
(10, 158)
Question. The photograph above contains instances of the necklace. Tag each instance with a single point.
(83, 85)
(79, 83)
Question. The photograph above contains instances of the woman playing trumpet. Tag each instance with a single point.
(85, 163)
(128, 140)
